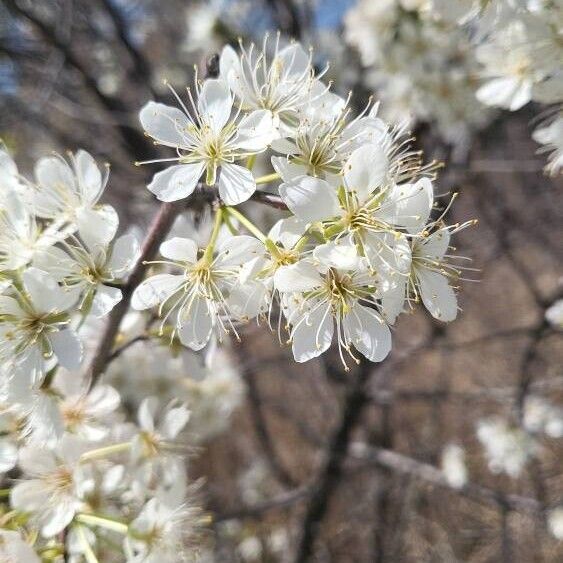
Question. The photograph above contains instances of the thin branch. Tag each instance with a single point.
(158, 230)
(271, 200)
(262, 432)
(333, 465)
(138, 146)
(365, 456)
(141, 66)
(430, 474)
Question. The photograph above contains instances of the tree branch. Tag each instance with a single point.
(333, 465)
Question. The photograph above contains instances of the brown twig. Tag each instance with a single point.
(158, 230)
(333, 465)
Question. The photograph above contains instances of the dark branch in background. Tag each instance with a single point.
(286, 17)
(363, 457)
(333, 465)
(137, 144)
(141, 68)
(262, 432)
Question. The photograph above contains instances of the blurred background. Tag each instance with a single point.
(442, 452)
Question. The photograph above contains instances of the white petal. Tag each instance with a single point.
(285, 146)
(310, 199)
(235, 251)
(176, 182)
(507, 92)
(55, 261)
(58, 518)
(174, 421)
(180, 249)
(147, 413)
(167, 124)
(437, 295)
(124, 255)
(102, 400)
(368, 333)
(215, 103)
(393, 297)
(45, 293)
(313, 335)
(236, 184)
(299, 277)
(294, 61)
(29, 496)
(365, 170)
(436, 244)
(105, 300)
(255, 131)
(97, 226)
(9, 306)
(67, 347)
(196, 328)
(409, 205)
(54, 174)
(288, 170)
(246, 301)
(155, 290)
(287, 231)
(342, 254)
(89, 177)
(8, 455)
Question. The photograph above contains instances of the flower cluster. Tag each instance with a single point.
(521, 62)
(503, 54)
(361, 243)
(91, 475)
(98, 462)
(60, 261)
(421, 63)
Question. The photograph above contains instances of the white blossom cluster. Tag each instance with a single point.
(521, 60)
(87, 471)
(361, 243)
(94, 469)
(507, 447)
(420, 62)
(438, 59)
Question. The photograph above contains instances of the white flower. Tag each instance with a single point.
(508, 61)
(507, 449)
(162, 533)
(158, 431)
(156, 465)
(551, 136)
(206, 140)
(20, 235)
(70, 192)
(366, 206)
(283, 84)
(555, 522)
(13, 549)
(319, 300)
(34, 327)
(453, 465)
(86, 414)
(206, 292)
(89, 268)
(319, 147)
(554, 314)
(56, 483)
